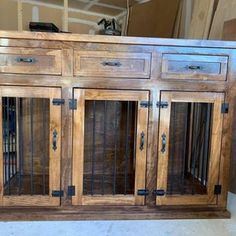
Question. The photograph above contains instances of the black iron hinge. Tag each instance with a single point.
(225, 108)
(217, 190)
(145, 104)
(143, 192)
(162, 104)
(58, 101)
(158, 192)
(57, 193)
(71, 190)
(73, 104)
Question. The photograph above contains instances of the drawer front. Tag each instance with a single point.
(112, 64)
(30, 61)
(197, 67)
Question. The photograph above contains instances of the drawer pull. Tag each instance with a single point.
(26, 59)
(111, 63)
(194, 67)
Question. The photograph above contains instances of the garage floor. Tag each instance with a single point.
(130, 228)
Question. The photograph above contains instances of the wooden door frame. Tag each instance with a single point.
(54, 156)
(216, 138)
(78, 146)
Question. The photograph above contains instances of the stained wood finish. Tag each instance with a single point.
(112, 64)
(30, 61)
(54, 156)
(60, 72)
(214, 159)
(197, 67)
(78, 146)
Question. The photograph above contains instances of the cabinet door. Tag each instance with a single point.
(109, 147)
(30, 146)
(189, 148)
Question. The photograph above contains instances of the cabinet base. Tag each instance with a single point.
(109, 213)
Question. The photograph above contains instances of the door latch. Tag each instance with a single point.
(54, 140)
(163, 143)
(142, 140)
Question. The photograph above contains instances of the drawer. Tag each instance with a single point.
(112, 64)
(197, 67)
(30, 61)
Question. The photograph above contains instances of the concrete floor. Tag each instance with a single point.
(130, 228)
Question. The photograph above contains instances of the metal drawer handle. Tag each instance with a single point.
(54, 140)
(163, 143)
(142, 140)
(26, 59)
(111, 63)
(194, 67)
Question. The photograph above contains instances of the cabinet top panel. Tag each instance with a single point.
(116, 39)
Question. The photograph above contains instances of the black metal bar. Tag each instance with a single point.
(104, 145)
(32, 145)
(126, 144)
(8, 147)
(94, 146)
(185, 148)
(20, 145)
(15, 135)
(11, 137)
(115, 149)
(196, 117)
(45, 146)
(4, 138)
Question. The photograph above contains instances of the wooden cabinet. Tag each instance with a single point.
(30, 146)
(189, 148)
(113, 127)
(110, 146)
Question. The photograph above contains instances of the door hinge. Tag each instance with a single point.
(71, 190)
(158, 192)
(217, 190)
(145, 104)
(57, 193)
(58, 101)
(225, 108)
(161, 104)
(143, 192)
(73, 104)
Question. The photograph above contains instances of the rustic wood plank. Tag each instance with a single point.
(203, 13)
(225, 11)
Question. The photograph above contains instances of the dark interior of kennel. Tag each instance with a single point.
(110, 145)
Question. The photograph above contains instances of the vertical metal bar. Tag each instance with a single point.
(11, 136)
(94, 146)
(196, 117)
(127, 145)
(4, 139)
(15, 135)
(20, 145)
(185, 148)
(115, 149)
(8, 146)
(32, 145)
(45, 146)
(104, 144)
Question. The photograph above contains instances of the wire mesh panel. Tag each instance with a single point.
(109, 152)
(25, 145)
(189, 148)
